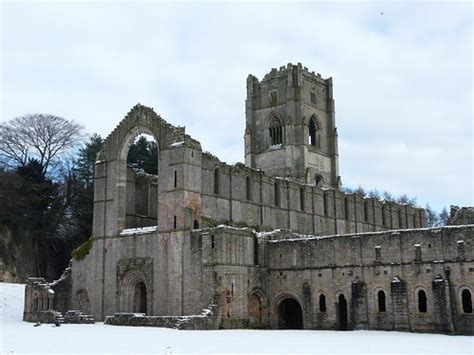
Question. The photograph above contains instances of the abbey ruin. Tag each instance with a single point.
(272, 243)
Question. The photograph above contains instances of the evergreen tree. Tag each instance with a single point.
(431, 216)
(143, 155)
(443, 217)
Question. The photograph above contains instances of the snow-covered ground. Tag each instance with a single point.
(17, 337)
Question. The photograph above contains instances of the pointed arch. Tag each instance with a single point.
(275, 130)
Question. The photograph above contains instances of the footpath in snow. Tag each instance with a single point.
(18, 337)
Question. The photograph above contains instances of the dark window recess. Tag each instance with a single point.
(174, 222)
(422, 302)
(319, 180)
(381, 301)
(216, 181)
(277, 194)
(322, 303)
(460, 249)
(196, 224)
(466, 301)
(366, 211)
(312, 132)
(212, 241)
(175, 179)
(346, 207)
(312, 97)
(255, 251)
(248, 188)
(302, 201)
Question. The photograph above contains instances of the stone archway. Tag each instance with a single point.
(257, 309)
(290, 314)
(133, 293)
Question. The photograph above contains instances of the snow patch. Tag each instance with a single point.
(136, 231)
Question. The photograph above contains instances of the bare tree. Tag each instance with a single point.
(39, 136)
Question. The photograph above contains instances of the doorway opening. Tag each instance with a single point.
(139, 298)
(290, 315)
(342, 312)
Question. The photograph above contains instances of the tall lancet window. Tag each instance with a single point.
(275, 130)
(314, 134)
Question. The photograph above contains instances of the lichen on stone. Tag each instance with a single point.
(83, 250)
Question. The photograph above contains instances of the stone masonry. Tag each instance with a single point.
(273, 243)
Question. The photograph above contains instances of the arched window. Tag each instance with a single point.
(313, 129)
(277, 194)
(248, 188)
(381, 301)
(302, 201)
(275, 130)
(466, 301)
(216, 181)
(422, 302)
(175, 222)
(322, 303)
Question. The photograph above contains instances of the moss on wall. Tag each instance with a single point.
(83, 250)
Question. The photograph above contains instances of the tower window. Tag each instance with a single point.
(313, 97)
(383, 216)
(366, 211)
(422, 302)
(400, 219)
(175, 179)
(277, 194)
(381, 301)
(466, 301)
(275, 131)
(302, 202)
(248, 188)
(216, 181)
(174, 222)
(314, 138)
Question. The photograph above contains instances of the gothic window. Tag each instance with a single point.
(466, 301)
(248, 188)
(322, 303)
(216, 181)
(275, 131)
(314, 133)
(381, 301)
(302, 202)
(422, 302)
(277, 194)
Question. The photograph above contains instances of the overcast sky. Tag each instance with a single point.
(403, 80)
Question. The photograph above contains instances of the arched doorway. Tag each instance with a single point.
(139, 298)
(290, 315)
(342, 308)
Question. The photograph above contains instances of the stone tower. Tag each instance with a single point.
(290, 126)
